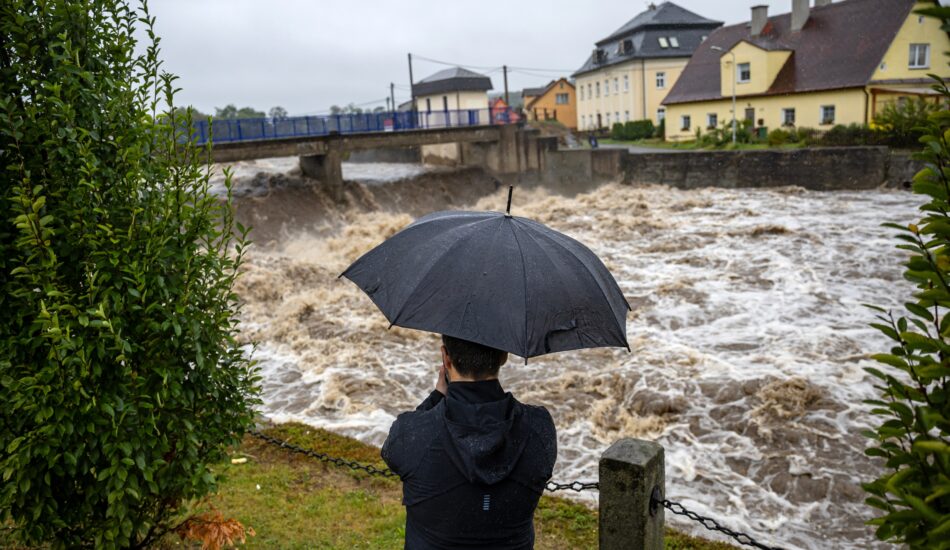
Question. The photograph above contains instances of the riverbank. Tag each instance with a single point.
(294, 501)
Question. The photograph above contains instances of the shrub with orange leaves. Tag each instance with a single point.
(213, 530)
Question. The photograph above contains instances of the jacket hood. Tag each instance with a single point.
(485, 433)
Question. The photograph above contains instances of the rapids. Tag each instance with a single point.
(747, 333)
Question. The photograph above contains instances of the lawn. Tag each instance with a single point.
(694, 146)
(293, 501)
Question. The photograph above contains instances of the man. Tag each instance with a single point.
(472, 459)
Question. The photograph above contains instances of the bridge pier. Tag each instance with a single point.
(327, 168)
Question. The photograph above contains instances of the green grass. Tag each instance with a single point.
(694, 146)
(295, 502)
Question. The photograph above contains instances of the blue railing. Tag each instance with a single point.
(223, 130)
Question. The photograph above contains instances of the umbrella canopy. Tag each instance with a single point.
(499, 280)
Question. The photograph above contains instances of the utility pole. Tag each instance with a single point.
(505, 71)
(387, 105)
(392, 95)
(412, 91)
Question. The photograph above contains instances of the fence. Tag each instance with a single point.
(632, 479)
(223, 130)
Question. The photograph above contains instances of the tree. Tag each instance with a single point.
(336, 110)
(121, 379)
(913, 437)
(230, 111)
(278, 112)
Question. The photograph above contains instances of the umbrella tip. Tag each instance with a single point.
(511, 189)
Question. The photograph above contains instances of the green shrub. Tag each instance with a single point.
(807, 136)
(850, 135)
(616, 131)
(778, 137)
(120, 377)
(913, 437)
(638, 129)
(902, 125)
(661, 130)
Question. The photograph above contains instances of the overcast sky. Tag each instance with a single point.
(308, 55)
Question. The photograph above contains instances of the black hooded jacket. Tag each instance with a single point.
(473, 466)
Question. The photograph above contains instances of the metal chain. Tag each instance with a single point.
(713, 525)
(353, 465)
(577, 486)
(386, 472)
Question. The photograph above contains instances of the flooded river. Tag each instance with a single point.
(747, 334)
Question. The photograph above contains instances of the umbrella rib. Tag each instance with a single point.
(599, 287)
(524, 276)
(431, 267)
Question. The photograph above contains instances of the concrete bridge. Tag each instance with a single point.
(501, 149)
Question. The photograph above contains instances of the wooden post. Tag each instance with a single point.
(631, 471)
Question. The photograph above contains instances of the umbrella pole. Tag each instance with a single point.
(511, 188)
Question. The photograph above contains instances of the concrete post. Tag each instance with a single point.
(327, 168)
(630, 471)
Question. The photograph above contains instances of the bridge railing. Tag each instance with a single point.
(223, 130)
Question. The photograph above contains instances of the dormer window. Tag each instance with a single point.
(744, 72)
(674, 42)
(664, 43)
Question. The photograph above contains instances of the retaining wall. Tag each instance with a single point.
(818, 168)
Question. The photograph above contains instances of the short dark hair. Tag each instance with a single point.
(474, 360)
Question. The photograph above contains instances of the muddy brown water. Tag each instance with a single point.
(747, 334)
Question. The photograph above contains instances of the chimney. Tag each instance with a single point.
(799, 14)
(760, 16)
(820, 3)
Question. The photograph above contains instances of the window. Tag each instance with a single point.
(744, 72)
(750, 114)
(608, 120)
(919, 56)
(589, 94)
(788, 117)
(626, 116)
(616, 85)
(583, 121)
(827, 114)
(626, 83)
(674, 42)
(660, 80)
(607, 87)
(561, 85)
(561, 99)
(712, 120)
(582, 93)
(684, 123)
(664, 43)
(598, 89)
(660, 115)
(617, 116)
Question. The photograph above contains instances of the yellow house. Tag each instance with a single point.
(629, 72)
(452, 97)
(556, 101)
(834, 63)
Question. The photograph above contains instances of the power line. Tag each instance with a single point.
(429, 59)
(562, 71)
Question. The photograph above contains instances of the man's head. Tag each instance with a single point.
(470, 360)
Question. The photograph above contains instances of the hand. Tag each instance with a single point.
(441, 385)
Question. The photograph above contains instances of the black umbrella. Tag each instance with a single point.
(499, 280)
